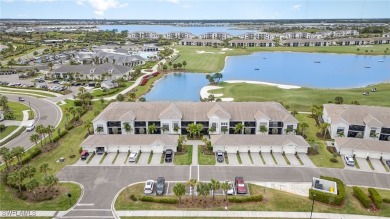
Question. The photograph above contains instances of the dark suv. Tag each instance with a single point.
(160, 186)
(168, 155)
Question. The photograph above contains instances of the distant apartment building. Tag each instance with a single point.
(257, 36)
(200, 42)
(143, 35)
(386, 35)
(178, 35)
(216, 35)
(305, 42)
(251, 43)
(345, 33)
(353, 41)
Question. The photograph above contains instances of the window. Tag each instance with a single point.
(165, 127)
(340, 132)
(224, 123)
(99, 129)
(289, 129)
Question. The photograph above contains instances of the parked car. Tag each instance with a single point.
(30, 127)
(21, 99)
(149, 186)
(388, 163)
(133, 156)
(349, 160)
(160, 186)
(100, 151)
(231, 190)
(219, 156)
(84, 154)
(168, 155)
(240, 185)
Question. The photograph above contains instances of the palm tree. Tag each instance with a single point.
(179, 190)
(127, 127)
(184, 64)
(238, 128)
(191, 129)
(324, 128)
(30, 171)
(34, 138)
(44, 168)
(170, 65)
(214, 185)
(203, 189)
(152, 128)
(16, 178)
(7, 156)
(49, 130)
(32, 185)
(225, 187)
(82, 90)
(40, 129)
(192, 183)
(88, 124)
(3, 102)
(199, 128)
(18, 152)
(303, 126)
(263, 129)
(50, 181)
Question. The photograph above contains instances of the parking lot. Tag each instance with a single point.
(365, 166)
(121, 159)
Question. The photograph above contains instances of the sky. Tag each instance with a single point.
(193, 9)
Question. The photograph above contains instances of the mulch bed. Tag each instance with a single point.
(204, 150)
(48, 147)
(207, 203)
(42, 194)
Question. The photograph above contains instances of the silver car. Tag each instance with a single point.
(349, 160)
(149, 187)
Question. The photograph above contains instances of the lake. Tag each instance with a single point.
(162, 29)
(315, 70)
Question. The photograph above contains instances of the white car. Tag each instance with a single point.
(231, 190)
(133, 156)
(349, 160)
(30, 127)
(149, 186)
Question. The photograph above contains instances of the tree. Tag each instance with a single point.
(101, 101)
(180, 142)
(82, 90)
(2, 127)
(152, 128)
(44, 168)
(170, 65)
(184, 64)
(7, 156)
(50, 181)
(18, 152)
(338, 100)
(88, 124)
(324, 128)
(303, 126)
(225, 187)
(34, 138)
(263, 129)
(127, 127)
(294, 113)
(238, 128)
(50, 65)
(192, 183)
(179, 190)
(210, 78)
(214, 185)
(217, 76)
(30, 171)
(49, 130)
(174, 66)
(199, 128)
(120, 97)
(191, 128)
(165, 67)
(203, 190)
(32, 185)
(211, 98)
(142, 99)
(179, 65)
(40, 129)
(3, 102)
(16, 178)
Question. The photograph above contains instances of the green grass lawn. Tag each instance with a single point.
(184, 159)
(25, 91)
(17, 109)
(301, 99)
(7, 131)
(205, 159)
(215, 61)
(142, 90)
(98, 93)
(9, 201)
(323, 158)
(274, 200)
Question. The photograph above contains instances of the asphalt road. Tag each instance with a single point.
(46, 113)
(102, 183)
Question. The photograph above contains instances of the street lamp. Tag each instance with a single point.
(312, 205)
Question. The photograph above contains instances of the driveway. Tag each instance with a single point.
(280, 159)
(96, 159)
(256, 159)
(269, 161)
(377, 164)
(363, 164)
(306, 160)
(109, 158)
(293, 160)
(245, 159)
(156, 159)
(232, 159)
(144, 157)
(121, 159)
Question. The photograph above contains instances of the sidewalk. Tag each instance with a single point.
(22, 123)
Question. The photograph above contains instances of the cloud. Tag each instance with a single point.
(100, 6)
(171, 1)
(296, 7)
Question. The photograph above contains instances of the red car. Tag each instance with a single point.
(240, 185)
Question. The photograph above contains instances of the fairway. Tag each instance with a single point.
(208, 59)
(301, 99)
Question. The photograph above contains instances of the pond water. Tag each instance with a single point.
(162, 29)
(302, 69)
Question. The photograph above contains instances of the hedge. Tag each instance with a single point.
(159, 200)
(361, 196)
(375, 197)
(16, 134)
(257, 198)
(329, 198)
(386, 200)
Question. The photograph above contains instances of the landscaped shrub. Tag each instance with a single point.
(386, 200)
(159, 200)
(78, 103)
(329, 198)
(29, 156)
(132, 197)
(375, 197)
(361, 196)
(256, 198)
(333, 160)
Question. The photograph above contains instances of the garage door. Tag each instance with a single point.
(346, 151)
(302, 150)
(375, 155)
(219, 148)
(255, 149)
(289, 149)
(386, 156)
(277, 149)
(157, 148)
(360, 153)
(146, 148)
(243, 149)
(112, 149)
(265, 149)
(231, 149)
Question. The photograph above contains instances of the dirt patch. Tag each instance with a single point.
(331, 149)
(43, 193)
(206, 151)
(48, 147)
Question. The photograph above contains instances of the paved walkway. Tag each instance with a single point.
(194, 144)
(22, 123)
(240, 214)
